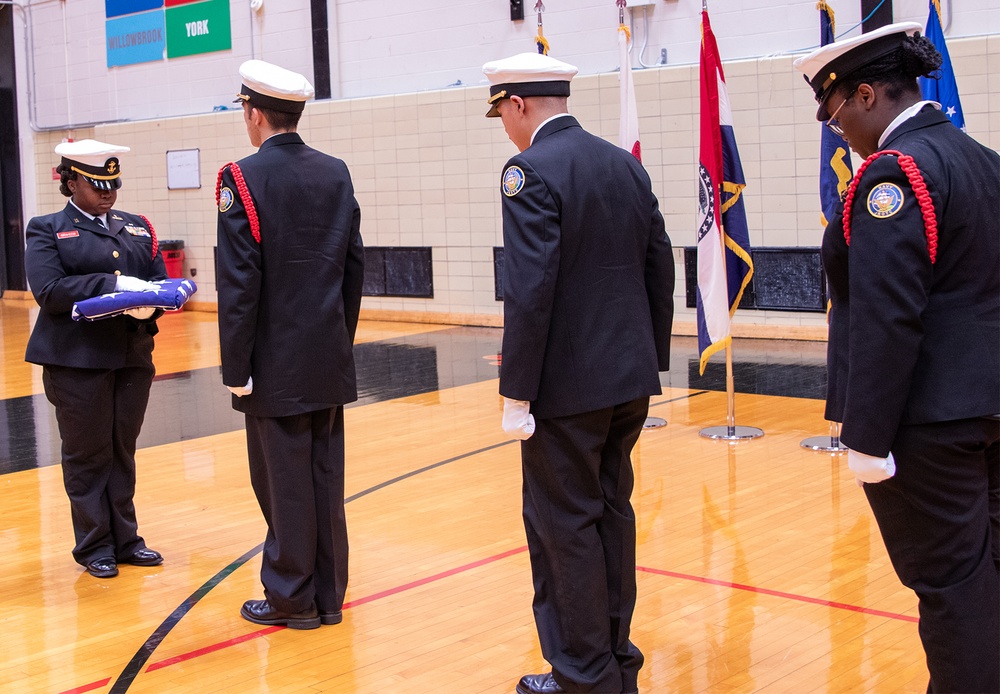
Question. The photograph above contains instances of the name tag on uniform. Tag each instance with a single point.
(67, 234)
(136, 231)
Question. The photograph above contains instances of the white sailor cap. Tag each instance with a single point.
(95, 161)
(526, 74)
(831, 63)
(272, 87)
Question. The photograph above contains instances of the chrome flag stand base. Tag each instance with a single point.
(830, 444)
(654, 423)
(735, 433)
(731, 432)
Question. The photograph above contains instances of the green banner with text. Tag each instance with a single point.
(198, 27)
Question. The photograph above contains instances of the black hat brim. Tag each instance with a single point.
(499, 92)
(255, 98)
(103, 184)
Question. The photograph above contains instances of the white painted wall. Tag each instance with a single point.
(399, 46)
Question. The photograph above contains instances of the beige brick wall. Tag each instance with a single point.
(426, 168)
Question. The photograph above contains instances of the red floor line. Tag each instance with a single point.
(435, 577)
(87, 687)
(214, 647)
(780, 594)
(347, 605)
(482, 562)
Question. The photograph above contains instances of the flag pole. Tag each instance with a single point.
(627, 135)
(834, 173)
(540, 40)
(730, 432)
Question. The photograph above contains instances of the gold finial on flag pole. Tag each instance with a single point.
(540, 40)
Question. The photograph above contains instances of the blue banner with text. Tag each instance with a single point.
(139, 38)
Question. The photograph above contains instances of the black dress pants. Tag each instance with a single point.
(297, 473)
(580, 527)
(938, 518)
(100, 413)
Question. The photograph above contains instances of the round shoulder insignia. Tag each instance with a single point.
(513, 181)
(885, 200)
(225, 199)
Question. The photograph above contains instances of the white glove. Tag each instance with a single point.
(240, 391)
(140, 313)
(868, 468)
(518, 421)
(125, 283)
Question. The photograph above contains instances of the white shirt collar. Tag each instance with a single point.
(905, 116)
(103, 217)
(542, 125)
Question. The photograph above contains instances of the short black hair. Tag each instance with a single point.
(279, 120)
(899, 70)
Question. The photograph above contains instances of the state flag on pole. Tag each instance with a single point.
(943, 90)
(835, 169)
(724, 263)
(628, 125)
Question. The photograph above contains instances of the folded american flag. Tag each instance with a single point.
(169, 295)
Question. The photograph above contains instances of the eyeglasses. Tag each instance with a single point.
(832, 123)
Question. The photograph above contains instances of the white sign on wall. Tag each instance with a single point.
(183, 168)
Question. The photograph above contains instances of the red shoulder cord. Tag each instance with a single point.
(241, 188)
(152, 232)
(916, 180)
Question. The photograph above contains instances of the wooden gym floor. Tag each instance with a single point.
(760, 565)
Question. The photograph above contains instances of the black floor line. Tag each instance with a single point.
(141, 656)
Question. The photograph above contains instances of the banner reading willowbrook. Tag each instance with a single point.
(137, 38)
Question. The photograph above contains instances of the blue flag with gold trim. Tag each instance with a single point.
(835, 170)
(944, 89)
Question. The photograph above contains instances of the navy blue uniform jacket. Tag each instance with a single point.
(913, 342)
(588, 276)
(289, 305)
(69, 258)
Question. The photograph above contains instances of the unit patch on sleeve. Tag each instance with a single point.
(513, 181)
(225, 199)
(885, 200)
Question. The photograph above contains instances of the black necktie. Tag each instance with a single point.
(99, 222)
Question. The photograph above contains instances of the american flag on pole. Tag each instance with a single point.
(628, 125)
(943, 90)
(724, 263)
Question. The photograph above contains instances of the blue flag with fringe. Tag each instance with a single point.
(835, 170)
(944, 89)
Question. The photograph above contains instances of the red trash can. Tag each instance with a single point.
(173, 257)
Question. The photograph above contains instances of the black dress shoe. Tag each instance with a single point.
(538, 684)
(143, 557)
(105, 567)
(331, 617)
(261, 612)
